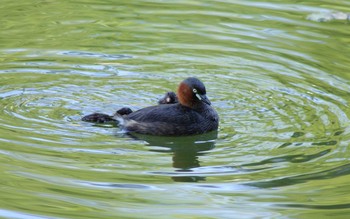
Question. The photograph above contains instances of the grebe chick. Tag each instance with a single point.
(169, 98)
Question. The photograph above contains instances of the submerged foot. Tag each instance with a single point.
(98, 118)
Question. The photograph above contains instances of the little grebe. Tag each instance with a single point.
(190, 113)
(187, 113)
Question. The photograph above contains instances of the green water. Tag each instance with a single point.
(279, 82)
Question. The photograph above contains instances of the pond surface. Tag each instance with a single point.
(279, 82)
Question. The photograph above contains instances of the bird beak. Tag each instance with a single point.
(203, 98)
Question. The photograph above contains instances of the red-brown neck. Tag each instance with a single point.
(185, 95)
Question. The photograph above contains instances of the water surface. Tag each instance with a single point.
(279, 82)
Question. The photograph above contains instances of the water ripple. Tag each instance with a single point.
(277, 80)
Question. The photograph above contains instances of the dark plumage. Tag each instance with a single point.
(169, 98)
(187, 113)
(124, 111)
(192, 115)
(98, 118)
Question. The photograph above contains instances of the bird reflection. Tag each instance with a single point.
(186, 152)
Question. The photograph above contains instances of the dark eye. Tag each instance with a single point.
(194, 90)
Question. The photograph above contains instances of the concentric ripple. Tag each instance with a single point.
(278, 81)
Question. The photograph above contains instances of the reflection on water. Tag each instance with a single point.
(185, 151)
